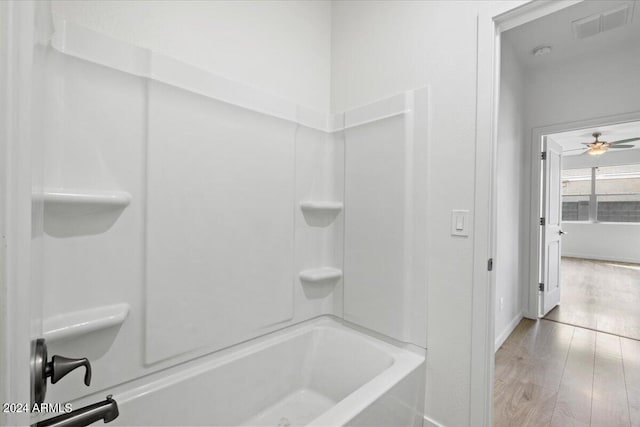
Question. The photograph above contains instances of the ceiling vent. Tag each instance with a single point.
(605, 21)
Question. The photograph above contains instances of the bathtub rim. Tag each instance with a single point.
(405, 359)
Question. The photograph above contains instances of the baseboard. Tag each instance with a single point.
(500, 339)
(428, 422)
(601, 257)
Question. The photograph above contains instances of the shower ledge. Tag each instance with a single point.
(320, 213)
(322, 274)
(70, 325)
(83, 202)
(321, 206)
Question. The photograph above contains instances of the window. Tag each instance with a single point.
(618, 193)
(576, 191)
(601, 194)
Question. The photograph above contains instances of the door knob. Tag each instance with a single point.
(560, 232)
(56, 369)
(61, 366)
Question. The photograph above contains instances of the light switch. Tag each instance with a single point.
(460, 222)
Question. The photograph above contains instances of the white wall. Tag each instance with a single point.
(282, 47)
(382, 48)
(605, 241)
(586, 88)
(509, 291)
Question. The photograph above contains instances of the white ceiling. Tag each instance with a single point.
(573, 139)
(555, 30)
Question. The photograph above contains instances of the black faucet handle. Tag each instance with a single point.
(61, 366)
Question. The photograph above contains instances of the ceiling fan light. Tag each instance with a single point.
(597, 150)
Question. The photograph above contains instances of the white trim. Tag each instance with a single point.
(428, 422)
(483, 315)
(80, 42)
(601, 258)
(529, 12)
(533, 301)
(500, 339)
(16, 43)
(381, 109)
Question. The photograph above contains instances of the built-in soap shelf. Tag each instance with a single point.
(74, 324)
(320, 275)
(321, 206)
(320, 213)
(83, 202)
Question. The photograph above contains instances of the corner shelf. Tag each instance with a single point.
(321, 206)
(78, 323)
(320, 213)
(322, 274)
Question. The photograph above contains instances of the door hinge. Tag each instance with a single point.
(543, 155)
(542, 221)
(541, 287)
(490, 264)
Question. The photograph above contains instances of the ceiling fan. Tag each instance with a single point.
(598, 147)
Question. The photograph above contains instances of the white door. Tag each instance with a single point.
(551, 232)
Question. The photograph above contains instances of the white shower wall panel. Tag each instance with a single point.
(385, 216)
(209, 250)
(100, 125)
(375, 251)
(94, 140)
(220, 221)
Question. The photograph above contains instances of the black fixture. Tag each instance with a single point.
(56, 369)
(107, 411)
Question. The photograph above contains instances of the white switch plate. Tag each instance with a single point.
(460, 222)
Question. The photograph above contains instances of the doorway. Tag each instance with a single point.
(600, 262)
(576, 364)
(547, 372)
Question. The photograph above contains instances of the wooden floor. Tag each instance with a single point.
(554, 374)
(600, 295)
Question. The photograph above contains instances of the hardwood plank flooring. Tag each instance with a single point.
(600, 295)
(553, 374)
(631, 364)
(609, 406)
(573, 406)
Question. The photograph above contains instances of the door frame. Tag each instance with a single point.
(534, 308)
(16, 55)
(491, 23)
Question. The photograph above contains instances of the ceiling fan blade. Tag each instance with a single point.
(624, 140)
(573, 149)
(622, 146)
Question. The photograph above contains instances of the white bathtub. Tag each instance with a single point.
(321, 373)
